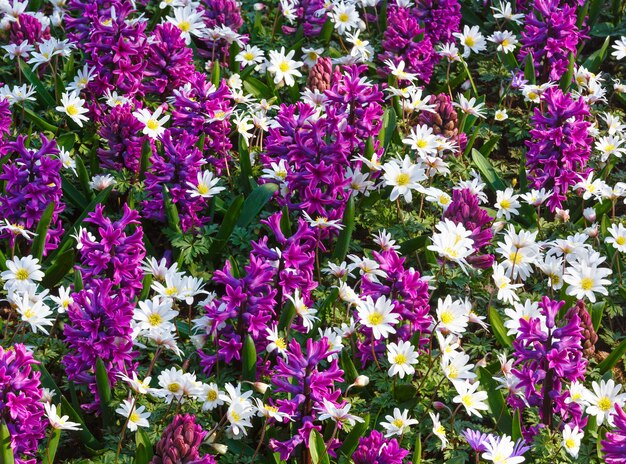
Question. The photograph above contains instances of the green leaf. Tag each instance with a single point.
(145, 289)
(350, 372)
(248, 360)
(244, 165)
(78, 281)
(613, 358)
(499, 331)
(146, 153)
(38, 121)
(417, 454)
(59, 269)
(228, 225)
(39, 240)
(351, 441)
(144, 447)
(285, 223)
(596, 59)
(6, 452)
(388, 127)
(529, 68)
(488, 172)
(286, 316)
(216, 73)
(317, 448)
(343, 241)
(104, 391)
(72, 194)
(497, 404)
(255, 202)
(413, 244)
(86, 436)
(517, 425)
(327, 31)
(53, 444)
(39, 87)
(171, 212)
(83, 177)
(257, 88)
(566, 78)
(597, 309)
(405, 392)
(488, 146)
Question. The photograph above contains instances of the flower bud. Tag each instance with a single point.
(498, 226)
(590, 214)
(562, 215)
(361, 380)
(219, 448)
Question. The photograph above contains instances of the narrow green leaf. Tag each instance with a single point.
(497, 404)
(257, 88)
(351, 441)
(317, 448)
(86, 436)
(327, 31)
(78, 281)
(38, 121)
(285, 223)
(245, 165)
(248, 360)
(53, 444)
(529, 68)
(216, 73)
(488, 146)
(144, 447)
(413, 244)
(146, 153)
(171, 212)
(83, 177)
(499, 330)
(228, 225)
(597, 310)
(350, 372)
(104, 391)
(566, 78)
(517, 425)
(388, 127)
(6, 452)
(145, 289)
(343, 242)
(613, 357)
(286, 316)
(417, 454)
(487, 170)
(39, 87)
(72, 194)
(39, 240)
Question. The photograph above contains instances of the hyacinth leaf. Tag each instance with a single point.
(144, 447)
(350, 372)
(597, 310)
(228, 225)
(601, 436)
(489, 145)
(405, 392)
(595, 8)
(286, 316)
(83, 177)
(39, 240)
(317, 448)
(39, 87)
(86, 436)
(53, 444)
(597, 58)
(388, 127)
(343, 242)
(327, 31)
(382, 17)
(529, 68)
(500, 332)
(171, 212)
(351, 442)
(216, 73)
(566, 78)
(413, 244)
(72, 194)
(417, 454)
(248, 360)
(508, 60)
(39, 122)
(145, 289)
(146, 153)
(233, 63)
(104, 390)
(496, 402)
(244, 164)
(257, 88)
(66, 141)
(6, 453)
(516, 432)
(285, 222)
(78, 281)
(613, 357)
(487, 171)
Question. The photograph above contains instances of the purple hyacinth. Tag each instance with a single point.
(546, 355)
(376, 449)
(122, 139)
(170, 62)
(180, 443)
(81, 15)
(116, 254)
(217, 13)
(550, 34)
(21, 408)
(5, 121)
(99, 327)
(32, 183)
(614, 443)
(465, 209)
(560, 146)
(441, 18)
(405, 40)
(305, 377)
(199, 108)
(179, 164)
(28, 28)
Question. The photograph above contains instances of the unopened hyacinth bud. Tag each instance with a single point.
(444, 120)
(590, 336)
(320, 77)
(180, 442)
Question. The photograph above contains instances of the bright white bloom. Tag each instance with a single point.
(22, 50)
(501, 450)
(83, 77)
(34, 313)
(44, 55)
(307, 314)
(21, 272)
(206, 187)
(101, 181)
(602, 400)
(617, 238)
(339, 414)
(74, 107)
(506, 203)
(591, 187)
(506, 289)
(501, 115)
(138, 386)
(311, 55)
(64, 300)
(434, 195)
(322, 222)
(209, 394)
(529, 310)
(586, 280)
(452, 316)
(422, 140)
(505, 40)
(398, 71)
(452, 242)
(438, 430)
(155, 315)
(344, 16)
(457, 367)
(402, 357)
(239, 415)
(283, 67)
(17, 229)
(175, 384)
(378, 316)
(610, 145)
(398, 424)
(404, 177)
(470, 106)
(59, 422)
(276, 342)
(619, 48)
(505, 11)
(471, 39)
(250, 56)
(571, 440)
(472, 400)
(189, 21)
(271, 412)
(536, 197)
(137, 417)
(153, 126)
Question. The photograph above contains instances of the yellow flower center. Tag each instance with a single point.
(203, 189)
(211, 395)
(152, 124)
(173, 387)
(421, 143)
(403, 179)
(284, 66)
(605, 404)
(249, 56)
(610, 147)
(72, 110)
(444, 199)
(398, 423)
(280, 343)
(515, 258)
(169, 291)
(447, 317)
(343, 18)
(400, 359)
(22, 274)
(620, 240)
(505, 43)
(586, 283)
(28, 313)
(505, 204)
(155, 320)
(467, 400)
(453, 372)
(234, 416)
(134, 417)
(451, 252)
(184, 26)
(375, 318)
(470, 42)
(570, 443)
(272, 409)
